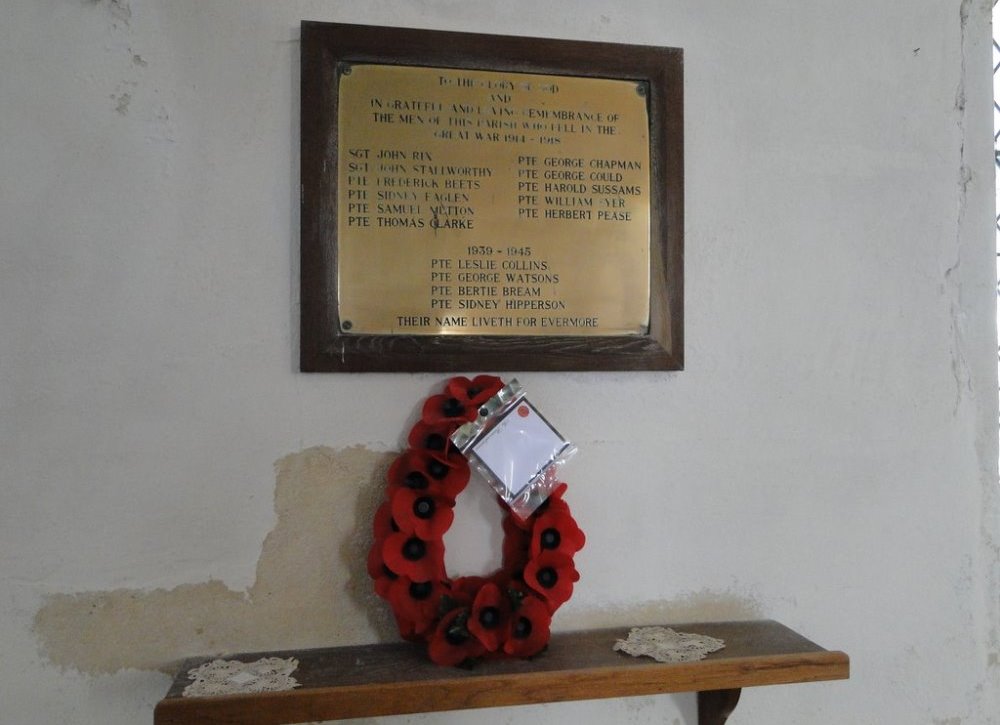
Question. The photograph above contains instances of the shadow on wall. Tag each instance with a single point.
(312, 587)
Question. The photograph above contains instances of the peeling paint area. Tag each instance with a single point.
(312, 588)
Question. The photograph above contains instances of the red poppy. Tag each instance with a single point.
(420, 513)
(488, 620)
(382, 524)
(467, 586)
(410, 556)
(447, 409)
(419, 470)
(456, 598)
(554, 502)
(528, 628)
(551, 574)
(556, 530)
(408, 630)
(377, 570)
(435, 438)
(452, 643)
(474, 392)
(415, 604)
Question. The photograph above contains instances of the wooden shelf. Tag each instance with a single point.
(396, 679)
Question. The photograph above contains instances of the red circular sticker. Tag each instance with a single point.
(523, 411)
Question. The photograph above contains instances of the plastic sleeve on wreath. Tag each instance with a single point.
(515, 449)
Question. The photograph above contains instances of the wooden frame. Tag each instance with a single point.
(325, 348)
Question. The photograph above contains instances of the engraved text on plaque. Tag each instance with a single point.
(491, 203)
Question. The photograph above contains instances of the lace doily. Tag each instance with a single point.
(229, 677)
(665, 645)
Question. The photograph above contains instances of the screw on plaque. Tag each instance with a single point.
(345, 69)
(346, 325)
(640, 88)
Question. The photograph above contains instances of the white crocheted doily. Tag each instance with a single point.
(665, 645)
(229, 677)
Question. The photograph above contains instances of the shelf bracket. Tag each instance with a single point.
(715, 706)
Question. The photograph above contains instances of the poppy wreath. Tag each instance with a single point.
(462, 619)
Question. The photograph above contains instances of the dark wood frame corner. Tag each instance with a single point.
(324, 348)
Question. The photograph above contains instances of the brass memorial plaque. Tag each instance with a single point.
(491, 203)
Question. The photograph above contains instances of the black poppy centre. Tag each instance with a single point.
(437, 470)
(522, 629)
(415, 480)
(421, 590)
(415, 549)
(489, 617)
(452, 408)
(423, 507)
(547, 577)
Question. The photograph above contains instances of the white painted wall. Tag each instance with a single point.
(828, 458)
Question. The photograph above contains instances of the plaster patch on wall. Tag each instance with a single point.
(701, 606)
(311, 590)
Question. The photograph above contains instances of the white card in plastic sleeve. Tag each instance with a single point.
(519, 447)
